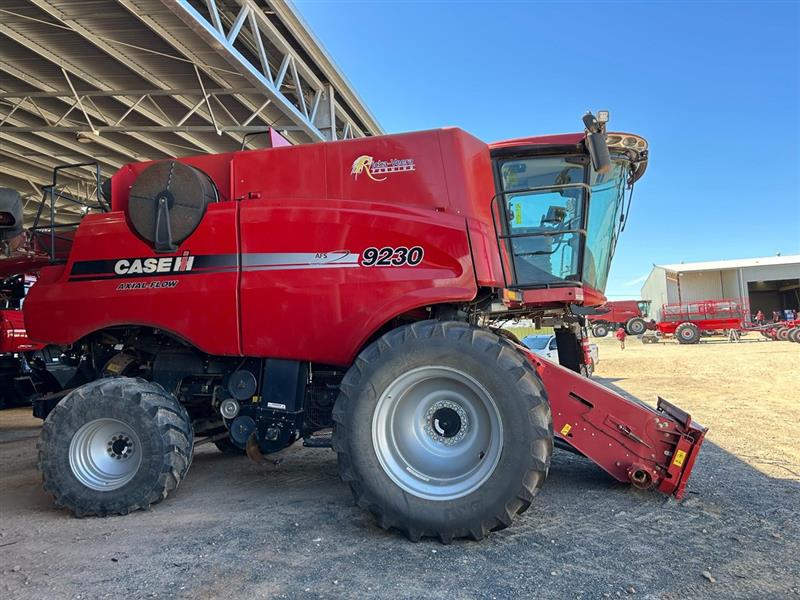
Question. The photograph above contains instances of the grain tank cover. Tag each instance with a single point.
(168, 201)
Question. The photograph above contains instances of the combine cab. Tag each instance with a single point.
(342, 294)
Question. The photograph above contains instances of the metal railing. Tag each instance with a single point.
(55, 195)
(503, 234)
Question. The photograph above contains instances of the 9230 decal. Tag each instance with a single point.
(389, 256)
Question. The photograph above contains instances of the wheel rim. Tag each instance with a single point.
(687, 334)
(437, 433)
(105, 454)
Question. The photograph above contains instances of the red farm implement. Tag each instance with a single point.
(347, 294)
(688, 320)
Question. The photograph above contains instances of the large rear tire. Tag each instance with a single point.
(443, 430)
(114, 446)
(636, 326)
(687, 333)
(794, 335)
(600, 330)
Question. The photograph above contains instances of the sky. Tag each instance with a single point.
(713, 86)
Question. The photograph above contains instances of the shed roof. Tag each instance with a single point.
(720, 265)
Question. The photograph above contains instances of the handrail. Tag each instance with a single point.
(51, 192)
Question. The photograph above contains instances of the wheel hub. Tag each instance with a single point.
(105, 454)
(446, 422)
(120, 446)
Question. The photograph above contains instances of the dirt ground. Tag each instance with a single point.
(234, 529)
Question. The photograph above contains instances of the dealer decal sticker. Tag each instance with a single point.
(377, 168)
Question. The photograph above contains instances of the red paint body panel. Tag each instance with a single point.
(298, 201)
(558, 139)
(13, 336)
(201, 309)
(342, 307)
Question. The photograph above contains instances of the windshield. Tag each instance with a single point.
(536, 342)
(549, 214)
(605, 207)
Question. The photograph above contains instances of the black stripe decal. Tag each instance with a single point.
(98, 270)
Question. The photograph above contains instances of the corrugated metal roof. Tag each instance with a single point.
(125, 80)
(719, 265)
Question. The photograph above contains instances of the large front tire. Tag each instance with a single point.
(443, 430)
(114, 446)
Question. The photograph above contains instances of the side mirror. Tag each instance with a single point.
(596, 142)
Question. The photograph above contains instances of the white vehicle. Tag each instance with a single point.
(545, 346)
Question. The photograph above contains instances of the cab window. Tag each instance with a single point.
(544, 212)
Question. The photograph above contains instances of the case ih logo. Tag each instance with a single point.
(374, 168)
(137, 266)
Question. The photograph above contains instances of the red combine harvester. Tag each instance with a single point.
(687, 320)
(257, 298)
(630, 314)
(23, 372)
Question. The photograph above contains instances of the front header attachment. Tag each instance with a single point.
(628, 439)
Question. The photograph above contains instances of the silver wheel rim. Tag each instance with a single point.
(437, 433)
(105, 454)
(687, 333)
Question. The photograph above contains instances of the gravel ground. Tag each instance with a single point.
(239, 530)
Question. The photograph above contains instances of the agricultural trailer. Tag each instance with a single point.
(339, 294)
(689, 321)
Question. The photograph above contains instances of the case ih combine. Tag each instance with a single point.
(257, 298)
(630, 314)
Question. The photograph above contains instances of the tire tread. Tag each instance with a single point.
(508, 359)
